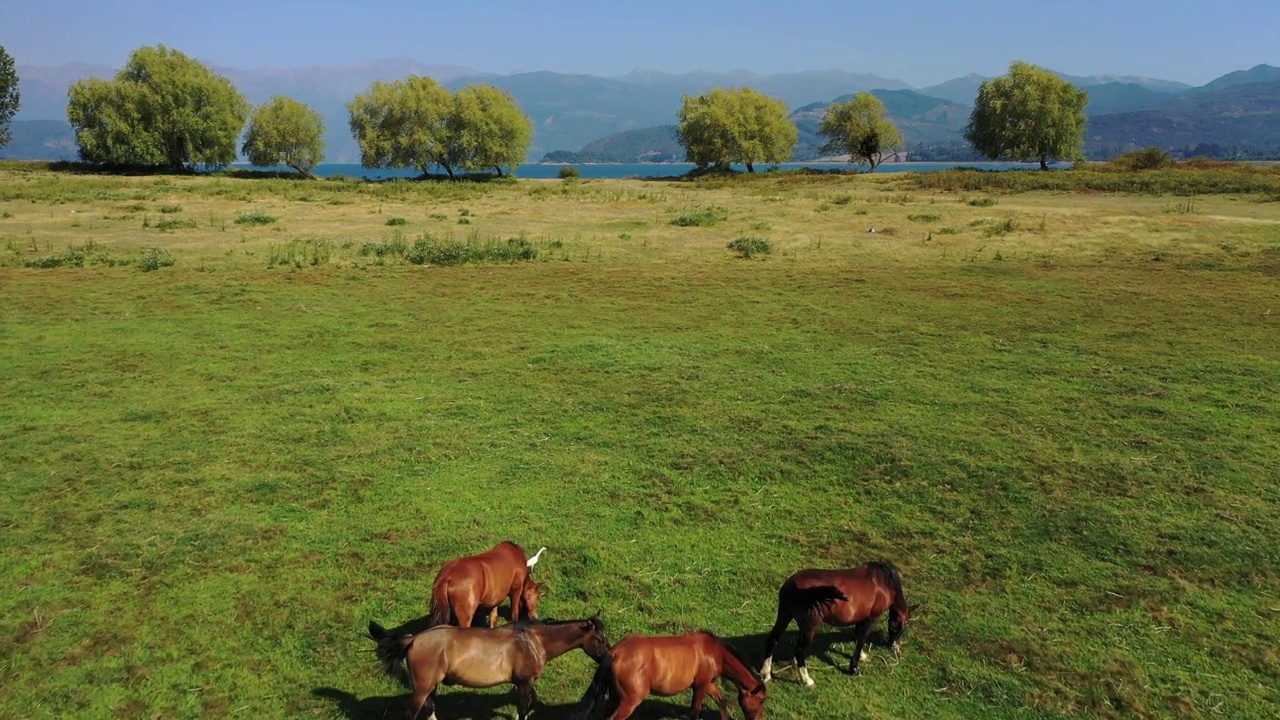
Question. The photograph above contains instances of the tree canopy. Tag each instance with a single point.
(9, 97)
(859, 128)
(415, 122)
(162, 108)
(725, 126)
(285, 132)
(1029, 114)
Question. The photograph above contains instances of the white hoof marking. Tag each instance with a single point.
(804, 676)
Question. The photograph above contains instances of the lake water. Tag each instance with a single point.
(624, 170)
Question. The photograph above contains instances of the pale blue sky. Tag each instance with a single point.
(919, 41)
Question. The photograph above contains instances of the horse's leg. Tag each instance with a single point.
(465, 608)
(628, 693)
(524, 699)
(808, 628)
(626, 705)
(515, 605)
(493, 618)
(699, 695)
(717, 696)
(860, 633)
(423, 705)
(779, 627)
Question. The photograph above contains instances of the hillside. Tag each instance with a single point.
(1236, 117)
(40, 139)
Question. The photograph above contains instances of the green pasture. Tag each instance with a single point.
(1056, 411)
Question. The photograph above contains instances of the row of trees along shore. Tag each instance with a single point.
(165, 109)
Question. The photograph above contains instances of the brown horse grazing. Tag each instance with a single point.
(467, 584)
(641, 664)
(484, 657)
(855, 597)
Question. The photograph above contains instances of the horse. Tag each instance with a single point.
(466, 584)
(484, 657)
(668, 665)
(855, 597)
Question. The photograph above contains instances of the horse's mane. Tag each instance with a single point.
(542, 622)
(737, 654)
(888, 572)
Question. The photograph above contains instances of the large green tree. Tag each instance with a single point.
(404, 124)
(285, 132)
(9, 97)
(725, 126)
(162, 108)
(860, 129)
(1029, 114)
(488, 129)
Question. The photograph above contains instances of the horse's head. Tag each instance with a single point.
(899, 619)
(529, 595)
(751, 700)
(596, 645)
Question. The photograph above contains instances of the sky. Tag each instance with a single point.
(921, 42)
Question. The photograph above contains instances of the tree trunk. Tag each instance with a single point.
(304, 172)
(449, 169)
(1044, 165)
(750, 167)
(871, 160)
(499, 169)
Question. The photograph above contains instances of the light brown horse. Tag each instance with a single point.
(855, 597)
(668, 665)
(467, 584)
(484, 657)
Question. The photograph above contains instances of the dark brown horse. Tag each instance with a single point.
(467, 584)
(484, 657)
(855, 597)
(667, 665)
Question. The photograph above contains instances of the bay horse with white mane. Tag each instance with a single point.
(467, 584)
(484, 657)
(668, 665)
(855, 597)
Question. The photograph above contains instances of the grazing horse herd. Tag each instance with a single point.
(453, 652)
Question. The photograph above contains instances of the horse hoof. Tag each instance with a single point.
(855, 671)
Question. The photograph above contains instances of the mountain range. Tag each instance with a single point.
(572, 111)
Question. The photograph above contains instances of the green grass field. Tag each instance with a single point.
(1056, 412)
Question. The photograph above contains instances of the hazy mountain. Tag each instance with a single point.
(960, 90)
(44, 89)
(793, 89)
(40, 139)
(1088, 81)
(1258, 73)
(1118, 97)
(1236, 116)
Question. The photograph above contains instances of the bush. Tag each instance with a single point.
(428, 250)
(255, 218)
(983, 202)
(397, 221)
(154, 259)
(569, 172)
(1148, 158)
(700, 217)
(176, 224)
(924, 217)
(750, 246)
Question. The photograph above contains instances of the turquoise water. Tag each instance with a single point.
(623, 170)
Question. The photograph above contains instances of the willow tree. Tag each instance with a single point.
(487, 129)
(404, 124)
(1029, 114)
(285, 132)
(725, 126)
(859, 128)
(9, 97)
(162, 108)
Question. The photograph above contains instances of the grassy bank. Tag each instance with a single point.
(1056, 413)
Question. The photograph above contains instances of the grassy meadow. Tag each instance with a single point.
(242, 417)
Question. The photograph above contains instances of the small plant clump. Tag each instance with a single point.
(255, 218)
(154, 258)
(394, 221)
(700, 217)
(568, 172)
(749, 246)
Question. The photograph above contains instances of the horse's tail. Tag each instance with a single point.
(440, 601)
(392, 649)
(598, 690)
(804, 600)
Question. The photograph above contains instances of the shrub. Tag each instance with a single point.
(700, 217)
(255, 218)
(428, 250)
(393, 221)
(170, 209)
(750, 246)
(154, 258)
(568, 172)
(176, 224)
(1148, 158)
(983, 202)
(924, 217)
